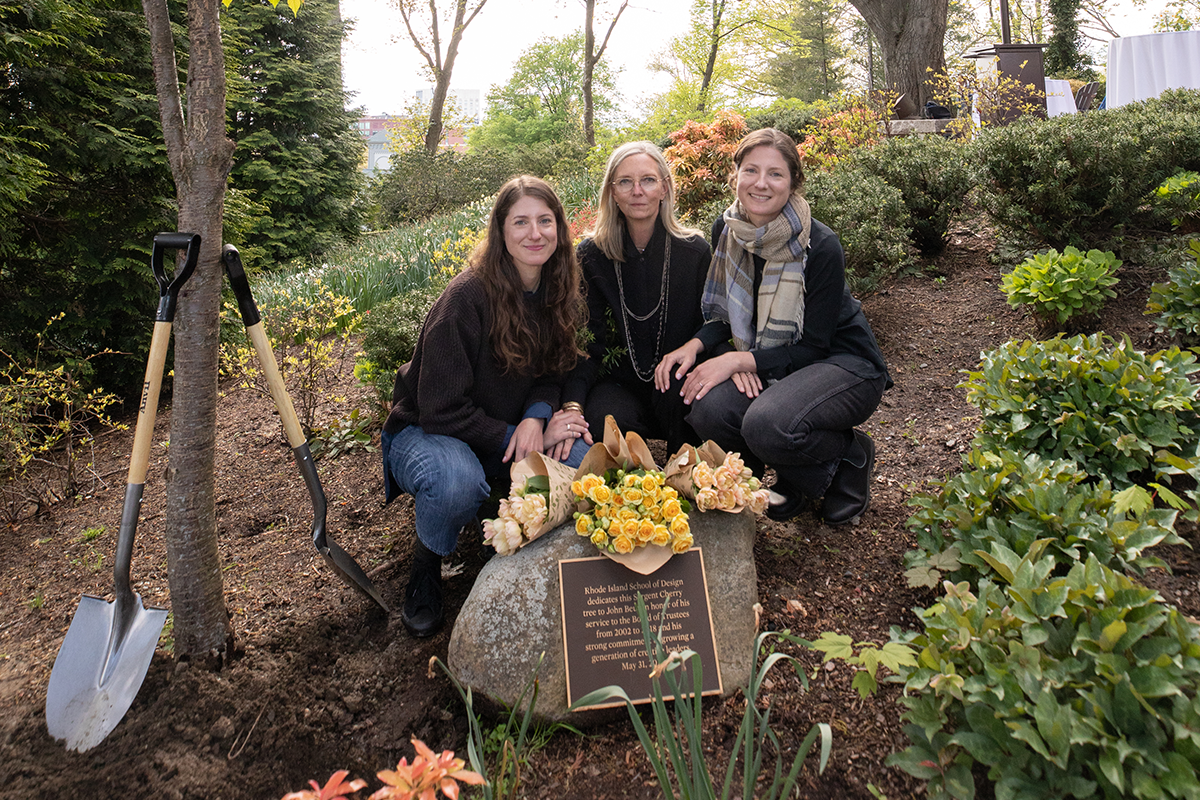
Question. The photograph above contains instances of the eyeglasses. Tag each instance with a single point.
(625, 185)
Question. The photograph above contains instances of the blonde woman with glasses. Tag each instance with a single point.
(644, 274)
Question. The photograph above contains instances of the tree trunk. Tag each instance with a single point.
(714, 45)
(910, 35)
(591, 57)
(201, 156)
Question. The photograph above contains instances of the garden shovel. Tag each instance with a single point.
(107, 650)
(338, 559)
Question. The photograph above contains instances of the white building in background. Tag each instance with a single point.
(466, 101)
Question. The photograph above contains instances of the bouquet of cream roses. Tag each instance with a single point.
(521, 514)
(631, 509)
(539, 500)
(716, 480)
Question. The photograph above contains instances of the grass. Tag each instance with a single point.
(385, 264)
(380, 266)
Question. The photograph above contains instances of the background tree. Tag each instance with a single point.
(1064, 56)
(412, 123)
(704, 69)
(538, 114)
(813, 67)
(83, 186)
(297, 151)
(591, 58)
(910, 34)
(429, 43)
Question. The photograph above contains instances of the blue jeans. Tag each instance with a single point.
(802, 426)
(447, 481)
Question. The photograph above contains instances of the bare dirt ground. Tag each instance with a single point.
(324, 681)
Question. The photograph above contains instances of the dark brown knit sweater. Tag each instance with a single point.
(453, 386)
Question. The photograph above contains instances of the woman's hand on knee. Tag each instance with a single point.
(526, 439)
(748, 383)
(678, 361)
(713, 372)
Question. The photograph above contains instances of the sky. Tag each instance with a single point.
(383, 68)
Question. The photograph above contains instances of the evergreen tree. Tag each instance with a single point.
(84, 183)
(298, 154)
(813, 68)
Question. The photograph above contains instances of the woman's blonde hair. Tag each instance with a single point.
(609, 233)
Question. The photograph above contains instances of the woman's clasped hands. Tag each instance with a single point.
(737, 366)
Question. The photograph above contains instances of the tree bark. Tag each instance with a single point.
(201, 156)
(910, 35)
(591, 57)
(714, 41)
(441, 65)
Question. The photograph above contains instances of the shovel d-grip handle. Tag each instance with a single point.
(168, 289)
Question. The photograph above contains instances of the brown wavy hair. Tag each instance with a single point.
(544, 342)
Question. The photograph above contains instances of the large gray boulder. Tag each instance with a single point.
(513, 614)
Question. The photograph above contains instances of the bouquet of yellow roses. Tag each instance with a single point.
(716, 480)
(631, 509)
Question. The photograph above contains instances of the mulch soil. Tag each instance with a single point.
(322, 680)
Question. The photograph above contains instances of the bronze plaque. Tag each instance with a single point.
(602, 636)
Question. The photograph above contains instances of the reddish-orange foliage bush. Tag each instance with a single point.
(833, 137)
(701, 159)
(582, 220)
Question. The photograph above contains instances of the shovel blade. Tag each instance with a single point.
(349, 571)
(99, 669)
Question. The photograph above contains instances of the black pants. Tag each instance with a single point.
(639, 407)
(802, 426)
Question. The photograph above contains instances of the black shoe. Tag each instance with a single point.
(790, 506)
(849, 494)
(424, 613)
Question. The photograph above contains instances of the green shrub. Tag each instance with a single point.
(50, 414)
(1092, 399)
(1061, 287)
(310, 331)
(1076, 686)
(1080, 179)
(1027, 503)
(389, 336)
(417, 186)
(1178, 197)
(932, 175)
(790, 115)
(1177, 302)
(868, 216)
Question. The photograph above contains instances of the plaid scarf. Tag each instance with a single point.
(729, 289)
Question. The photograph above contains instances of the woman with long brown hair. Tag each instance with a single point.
(484, 380)
(805, 370)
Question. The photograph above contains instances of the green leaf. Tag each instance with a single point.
(864, 683)
(1111, 634)
(834, 645)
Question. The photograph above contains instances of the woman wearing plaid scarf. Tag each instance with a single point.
(805, 368)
